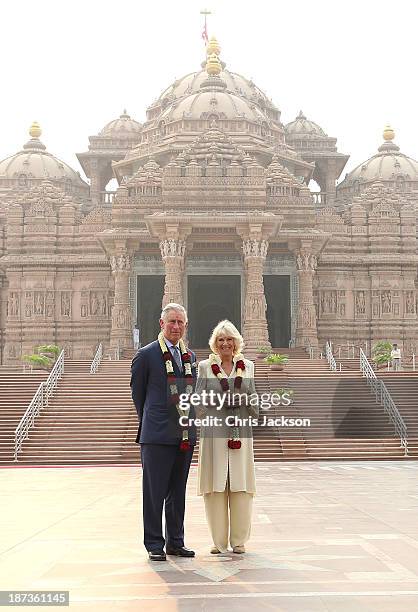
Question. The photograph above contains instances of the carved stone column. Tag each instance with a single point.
(172, 253)
(255, 330)
(121, 333)
(306, 332)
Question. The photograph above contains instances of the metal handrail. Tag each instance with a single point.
(330, 357)
(392, 411)
(27, 421)
(97, 359)
(385, 399)
(39, 401)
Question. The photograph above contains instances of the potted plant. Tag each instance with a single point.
(381, 353)
(285, 392)
(262, 351)
(276, 361)
(37, 362)
(51, 351)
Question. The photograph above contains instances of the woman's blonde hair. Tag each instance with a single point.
(229, 329)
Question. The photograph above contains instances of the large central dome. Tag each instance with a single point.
(236, 85)
(210, 97)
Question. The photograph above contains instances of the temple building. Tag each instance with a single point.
(213, 210)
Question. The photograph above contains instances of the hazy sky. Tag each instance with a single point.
(73, 66)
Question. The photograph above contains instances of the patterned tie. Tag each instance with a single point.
(177, 357)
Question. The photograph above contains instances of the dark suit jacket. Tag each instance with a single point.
(158, 417)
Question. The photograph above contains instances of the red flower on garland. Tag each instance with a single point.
(216, 369)
(235, 444)
(185, 445)
(186, 358)
(167, 356)
(224, 384)
(238, 382)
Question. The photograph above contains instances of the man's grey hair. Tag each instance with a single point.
(173, 306)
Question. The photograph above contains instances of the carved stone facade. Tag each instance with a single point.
(212, 176)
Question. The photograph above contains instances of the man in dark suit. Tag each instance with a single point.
(165, 455)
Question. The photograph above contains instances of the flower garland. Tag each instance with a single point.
(234, 442)
(171, 377)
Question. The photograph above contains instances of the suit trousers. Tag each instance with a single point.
(237, 526)
(165, 469)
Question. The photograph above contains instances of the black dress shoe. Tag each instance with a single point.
(182, 551)
(157, 555)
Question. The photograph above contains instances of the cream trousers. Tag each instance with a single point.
(237, 526)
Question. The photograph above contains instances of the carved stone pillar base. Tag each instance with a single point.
(121, 333)
(255, 330)
(172, 252)
(306, 332)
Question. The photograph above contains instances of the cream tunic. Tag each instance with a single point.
(216, 460)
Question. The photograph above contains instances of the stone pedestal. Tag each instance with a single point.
(255, 330)
(306, 332)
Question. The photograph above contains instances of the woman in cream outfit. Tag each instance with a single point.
(226, 476)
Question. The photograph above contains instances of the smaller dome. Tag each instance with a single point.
(34, 162)
(304, 127)
(122, 127)
(387, 165)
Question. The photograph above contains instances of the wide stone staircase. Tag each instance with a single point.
(345, 420)
(17, 389)
(91, 418)
(403, 387)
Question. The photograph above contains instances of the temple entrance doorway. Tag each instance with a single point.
(211, 299)
(277, 292)
(150, 291)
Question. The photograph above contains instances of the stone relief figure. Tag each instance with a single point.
(386, 302)
(333, 302)
(360, 303)
(329, 302)
(102, 303)
(13, 304)
(306, 261)
(28, 303)
(122, 318)
(120, 262)
(410, 302)
(255, 248)
(12, 351)
(65, 304)
(172, 248)
(94, 304)
(50, 304)
(84, 304)
(39, 303)
(306, 316)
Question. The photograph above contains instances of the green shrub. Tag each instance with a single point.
(37, 360)
(381, 352)
(277, 358)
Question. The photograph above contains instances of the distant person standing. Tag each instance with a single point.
(395, 356)
(135, 337)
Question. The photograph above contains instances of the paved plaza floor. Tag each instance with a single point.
(326, 537)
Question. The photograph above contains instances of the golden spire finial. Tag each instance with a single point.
(35, 130)
(213, 65)
(388, 133)
(213, 46)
